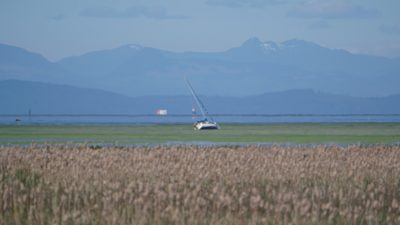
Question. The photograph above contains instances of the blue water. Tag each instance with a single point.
(173, 119)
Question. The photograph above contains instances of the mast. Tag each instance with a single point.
(200, 105)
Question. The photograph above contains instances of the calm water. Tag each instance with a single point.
(151, 119)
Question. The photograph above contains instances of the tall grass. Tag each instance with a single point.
(200, 185)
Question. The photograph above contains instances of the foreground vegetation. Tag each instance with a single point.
(80, 184)
(309, 133)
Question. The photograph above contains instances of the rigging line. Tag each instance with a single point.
(198, 102)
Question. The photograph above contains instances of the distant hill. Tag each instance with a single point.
(250, 69)
(18, 97)
(22, 96)
(18, 63)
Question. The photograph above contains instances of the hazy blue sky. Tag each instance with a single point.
(58, 28)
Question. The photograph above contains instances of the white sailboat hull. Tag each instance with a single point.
(206, 125)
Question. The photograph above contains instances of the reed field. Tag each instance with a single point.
(186, 184)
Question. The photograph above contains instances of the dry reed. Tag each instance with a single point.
(200, 185)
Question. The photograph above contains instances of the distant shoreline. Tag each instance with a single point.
(132, 119)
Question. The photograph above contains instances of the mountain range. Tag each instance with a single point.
(251, 69)
(20, 97)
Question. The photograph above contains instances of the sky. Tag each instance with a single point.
(62, 28)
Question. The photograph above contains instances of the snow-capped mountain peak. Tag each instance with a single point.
(271, 46)
(135, 47)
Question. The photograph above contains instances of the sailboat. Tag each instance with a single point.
(207, 123)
